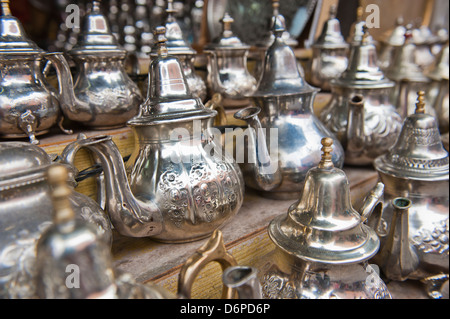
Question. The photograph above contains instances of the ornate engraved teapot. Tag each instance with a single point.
(416, 168)
(29, 105)
(283, 130)
(227, 67)
(366, 130)
(173, 189)
(26, 211)
(103, 95)
(322, 244)
(180, 48)
(330, 52)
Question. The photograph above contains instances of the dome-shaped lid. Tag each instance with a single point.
(96, 35)
(404, 66)
(169, 97)
(363, 70)
(440, 68)
(331, 36)
(418, 153)
(322, 226)
(227, 40)
(396, 36)
(176, 41)
(281, 75)
(13, 39)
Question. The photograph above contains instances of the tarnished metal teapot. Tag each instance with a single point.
(330, 53)
(227, 67)
(178, 46)
(416, 168)
(369, 126)
(26, 212)
(29, 105)
(178, 186)
(103, 96)
(284, 133)
(322, 245)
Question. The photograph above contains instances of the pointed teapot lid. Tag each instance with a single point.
(404, 66)
(419, 152)
(322, 226)
(440, 68)
(169, 97)
(281, 75)
(331, 36)
(96, 35)
(227, 40)
(176, 41)
(363, 70)
(13, 39)
(396, 37)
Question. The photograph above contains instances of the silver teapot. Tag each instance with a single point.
(26, 212)
(330, 53)
(389, 44)
(416, 168)
(180, 48)
(103, 96)
(368, 126)
(283, 133)
(322, 245)
(227, 67)
(173, 189)
(29, 105)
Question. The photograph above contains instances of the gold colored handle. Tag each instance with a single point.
(213, 250)
(216, 104)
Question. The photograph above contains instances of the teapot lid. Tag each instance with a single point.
(397, 35)
(281, 76)
(363, 70)
(227, 40)
(13, 39)
(96, 35)
(404, 66)
(419, 152)
(440, 68)
(169, 97)
(176, 42)
(322, 226)
(331, 36)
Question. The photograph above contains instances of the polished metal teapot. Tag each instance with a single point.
(26, 212)
(29, 105)
(322, 245)
(416, 168)
(227, 67)
(368, 126)
(391, 43)
(103, 96)
(330, 53)
(178, 186)
(283, 133)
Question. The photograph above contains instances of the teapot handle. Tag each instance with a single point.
(216, 104)
(213, 250)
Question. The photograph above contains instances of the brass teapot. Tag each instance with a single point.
(103, 96)
(29, 105)
(26, 212)
(173, 189)
(322, 245)
(416, 168)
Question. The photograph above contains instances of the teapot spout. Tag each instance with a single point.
(266, 172)
(355, 127)
(244, 280)
(129, 215)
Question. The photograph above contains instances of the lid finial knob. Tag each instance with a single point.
(327, 148)
(5, 7)
(160, 36)
(420, 106)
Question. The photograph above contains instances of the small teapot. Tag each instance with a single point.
(103, 96)
(29, 105)
(227, 67)
(368, 126)
(416, 168)
(173, 189)
(322, 245)
(282, 129)
(392, 42)
(330, 52)
(26, 212)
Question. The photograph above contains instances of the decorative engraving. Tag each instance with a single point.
(433, 241)
(421, 136)
(176, 196)
(276, 286)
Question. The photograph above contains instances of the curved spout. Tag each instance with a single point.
(355, 140)
(244, 280)
(266, 172)
(398, 258)
(372, 201)
(129, 215)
